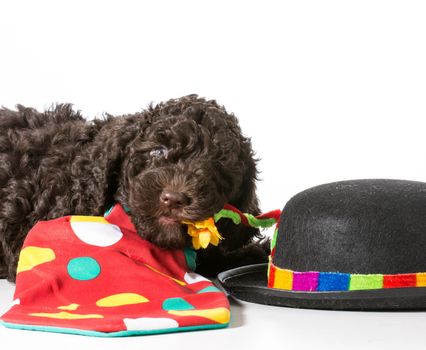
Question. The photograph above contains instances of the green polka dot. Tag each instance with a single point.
(83, 268)
(208, 290)
(176, 304)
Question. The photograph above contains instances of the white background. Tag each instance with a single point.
(327, 90)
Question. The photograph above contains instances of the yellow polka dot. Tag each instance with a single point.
(121, 299)
(66, 315)
(220, 314)
(30, 257)
(71, 307)
(80, 218)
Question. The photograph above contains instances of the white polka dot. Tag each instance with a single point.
(149, 323)
(192, 277)
(94, 233)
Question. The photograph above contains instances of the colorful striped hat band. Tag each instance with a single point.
(317, 281)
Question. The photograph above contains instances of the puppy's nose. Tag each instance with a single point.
(174, 199)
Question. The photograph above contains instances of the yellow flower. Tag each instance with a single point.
(203, 233)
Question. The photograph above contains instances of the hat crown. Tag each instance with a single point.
(357, 226)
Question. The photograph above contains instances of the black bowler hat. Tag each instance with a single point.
(350, 245)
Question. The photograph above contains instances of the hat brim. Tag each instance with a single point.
(249, 283)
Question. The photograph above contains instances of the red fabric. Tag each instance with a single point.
(131, 265)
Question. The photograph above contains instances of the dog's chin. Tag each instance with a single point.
(171, 234)
(167, 221)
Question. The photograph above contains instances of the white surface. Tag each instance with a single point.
(253, 326)
(327, 90)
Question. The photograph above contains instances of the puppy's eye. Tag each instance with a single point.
(159, 152)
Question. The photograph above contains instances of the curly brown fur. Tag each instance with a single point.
(179, 160)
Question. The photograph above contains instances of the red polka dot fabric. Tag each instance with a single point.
(95, 276)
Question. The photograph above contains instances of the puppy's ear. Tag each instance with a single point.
(248, 201)
(134, 161)
(226, 132)
(108, 154)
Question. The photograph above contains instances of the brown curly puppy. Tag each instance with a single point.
(180, 160)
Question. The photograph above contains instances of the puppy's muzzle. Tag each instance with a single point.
(174, 200)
